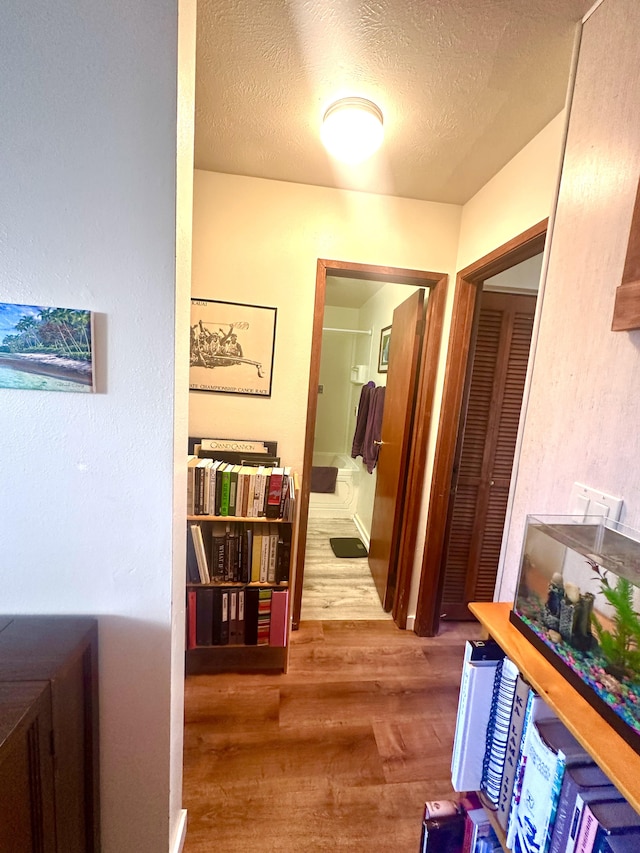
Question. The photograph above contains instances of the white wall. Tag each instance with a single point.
(333, 414)
(584, 407)
(519, 196)
(88, 220)
(258, 241)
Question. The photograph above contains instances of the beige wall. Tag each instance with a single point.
(584, 406)
(258, 241)
(518, 197)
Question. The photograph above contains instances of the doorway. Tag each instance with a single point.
(486, 446)
(405, 533)
(466, 301)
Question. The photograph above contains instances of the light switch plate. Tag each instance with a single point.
(587, 501)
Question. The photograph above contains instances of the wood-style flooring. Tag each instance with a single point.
(339, 754)
(336, 588)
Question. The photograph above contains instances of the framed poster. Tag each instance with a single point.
(383, 355)
(232, 347)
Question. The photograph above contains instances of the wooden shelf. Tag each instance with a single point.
(212, 659)
(244, 585)
(260, 519)
(608, 749)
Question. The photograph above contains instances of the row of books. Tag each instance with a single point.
(238, 552)
(251, 616)
(222, 488)
(458, 826)
(547, 793)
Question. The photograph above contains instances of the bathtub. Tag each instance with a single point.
(343, 502)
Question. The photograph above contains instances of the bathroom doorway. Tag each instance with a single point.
(366, 352)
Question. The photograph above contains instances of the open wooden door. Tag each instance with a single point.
(412, 483)
(404, 358)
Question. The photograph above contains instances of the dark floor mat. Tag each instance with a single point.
(346, 547)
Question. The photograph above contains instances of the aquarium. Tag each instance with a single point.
(578, 601)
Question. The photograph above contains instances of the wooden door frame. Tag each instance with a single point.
(436, 283)
(469, 282)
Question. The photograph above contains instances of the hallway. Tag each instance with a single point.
(338, 755)
(336, 588)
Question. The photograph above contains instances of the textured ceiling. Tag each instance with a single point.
(463, 85)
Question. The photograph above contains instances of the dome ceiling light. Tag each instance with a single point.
(352, 129)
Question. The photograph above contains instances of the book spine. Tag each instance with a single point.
(516, 725)
(279, 611)
(241, 600)
(224, 492)
(587, 834)
(264, 616)
(191, 619)
(274, 495)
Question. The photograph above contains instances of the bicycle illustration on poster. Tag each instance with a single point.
(232, 347)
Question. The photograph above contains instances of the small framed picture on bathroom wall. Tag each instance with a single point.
(383, 355)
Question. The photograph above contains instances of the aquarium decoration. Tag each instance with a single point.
(578, 602)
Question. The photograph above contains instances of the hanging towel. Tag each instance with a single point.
(373, 430)
(361, 419)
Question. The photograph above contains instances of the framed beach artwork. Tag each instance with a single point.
(383, 354)
(46, 349)
(231, 348)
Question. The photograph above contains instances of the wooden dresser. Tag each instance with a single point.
(49, 780)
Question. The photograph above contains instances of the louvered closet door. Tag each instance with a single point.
(485, 455)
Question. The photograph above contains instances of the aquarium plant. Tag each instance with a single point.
(621, 645)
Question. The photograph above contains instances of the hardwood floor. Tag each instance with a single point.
(336, 588)
(339, 754)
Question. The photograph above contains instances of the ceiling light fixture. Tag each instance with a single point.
(352, 129)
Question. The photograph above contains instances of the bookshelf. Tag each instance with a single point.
(607, 748)
(233, 654)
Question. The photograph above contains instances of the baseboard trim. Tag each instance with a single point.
(364, 535)
(181, 833)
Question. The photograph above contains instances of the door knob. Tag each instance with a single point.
(379, 443)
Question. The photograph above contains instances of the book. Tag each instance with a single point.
(274, 493)
(537, 709)
(233, 617)
(279, 615)
(551, 748)
(201, 556)
(474, 708)
(204, 615)
(192, 461)
(603, 819)
(606, 793)
(220, 615)
(283, 556)
(191, 619)
(256, 553)
(241, 633)
(251, 615)
(576, 781)
(264, 555)
(233, 489)
(273, 553)
(218, 536)
(264, 616)
(514, 741)
(225, 488)
(477, 827)
(497, 738)
(193, 575)
(627, 843)
(442, 834)
(203, 477)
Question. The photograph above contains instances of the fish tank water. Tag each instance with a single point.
(578, 602)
